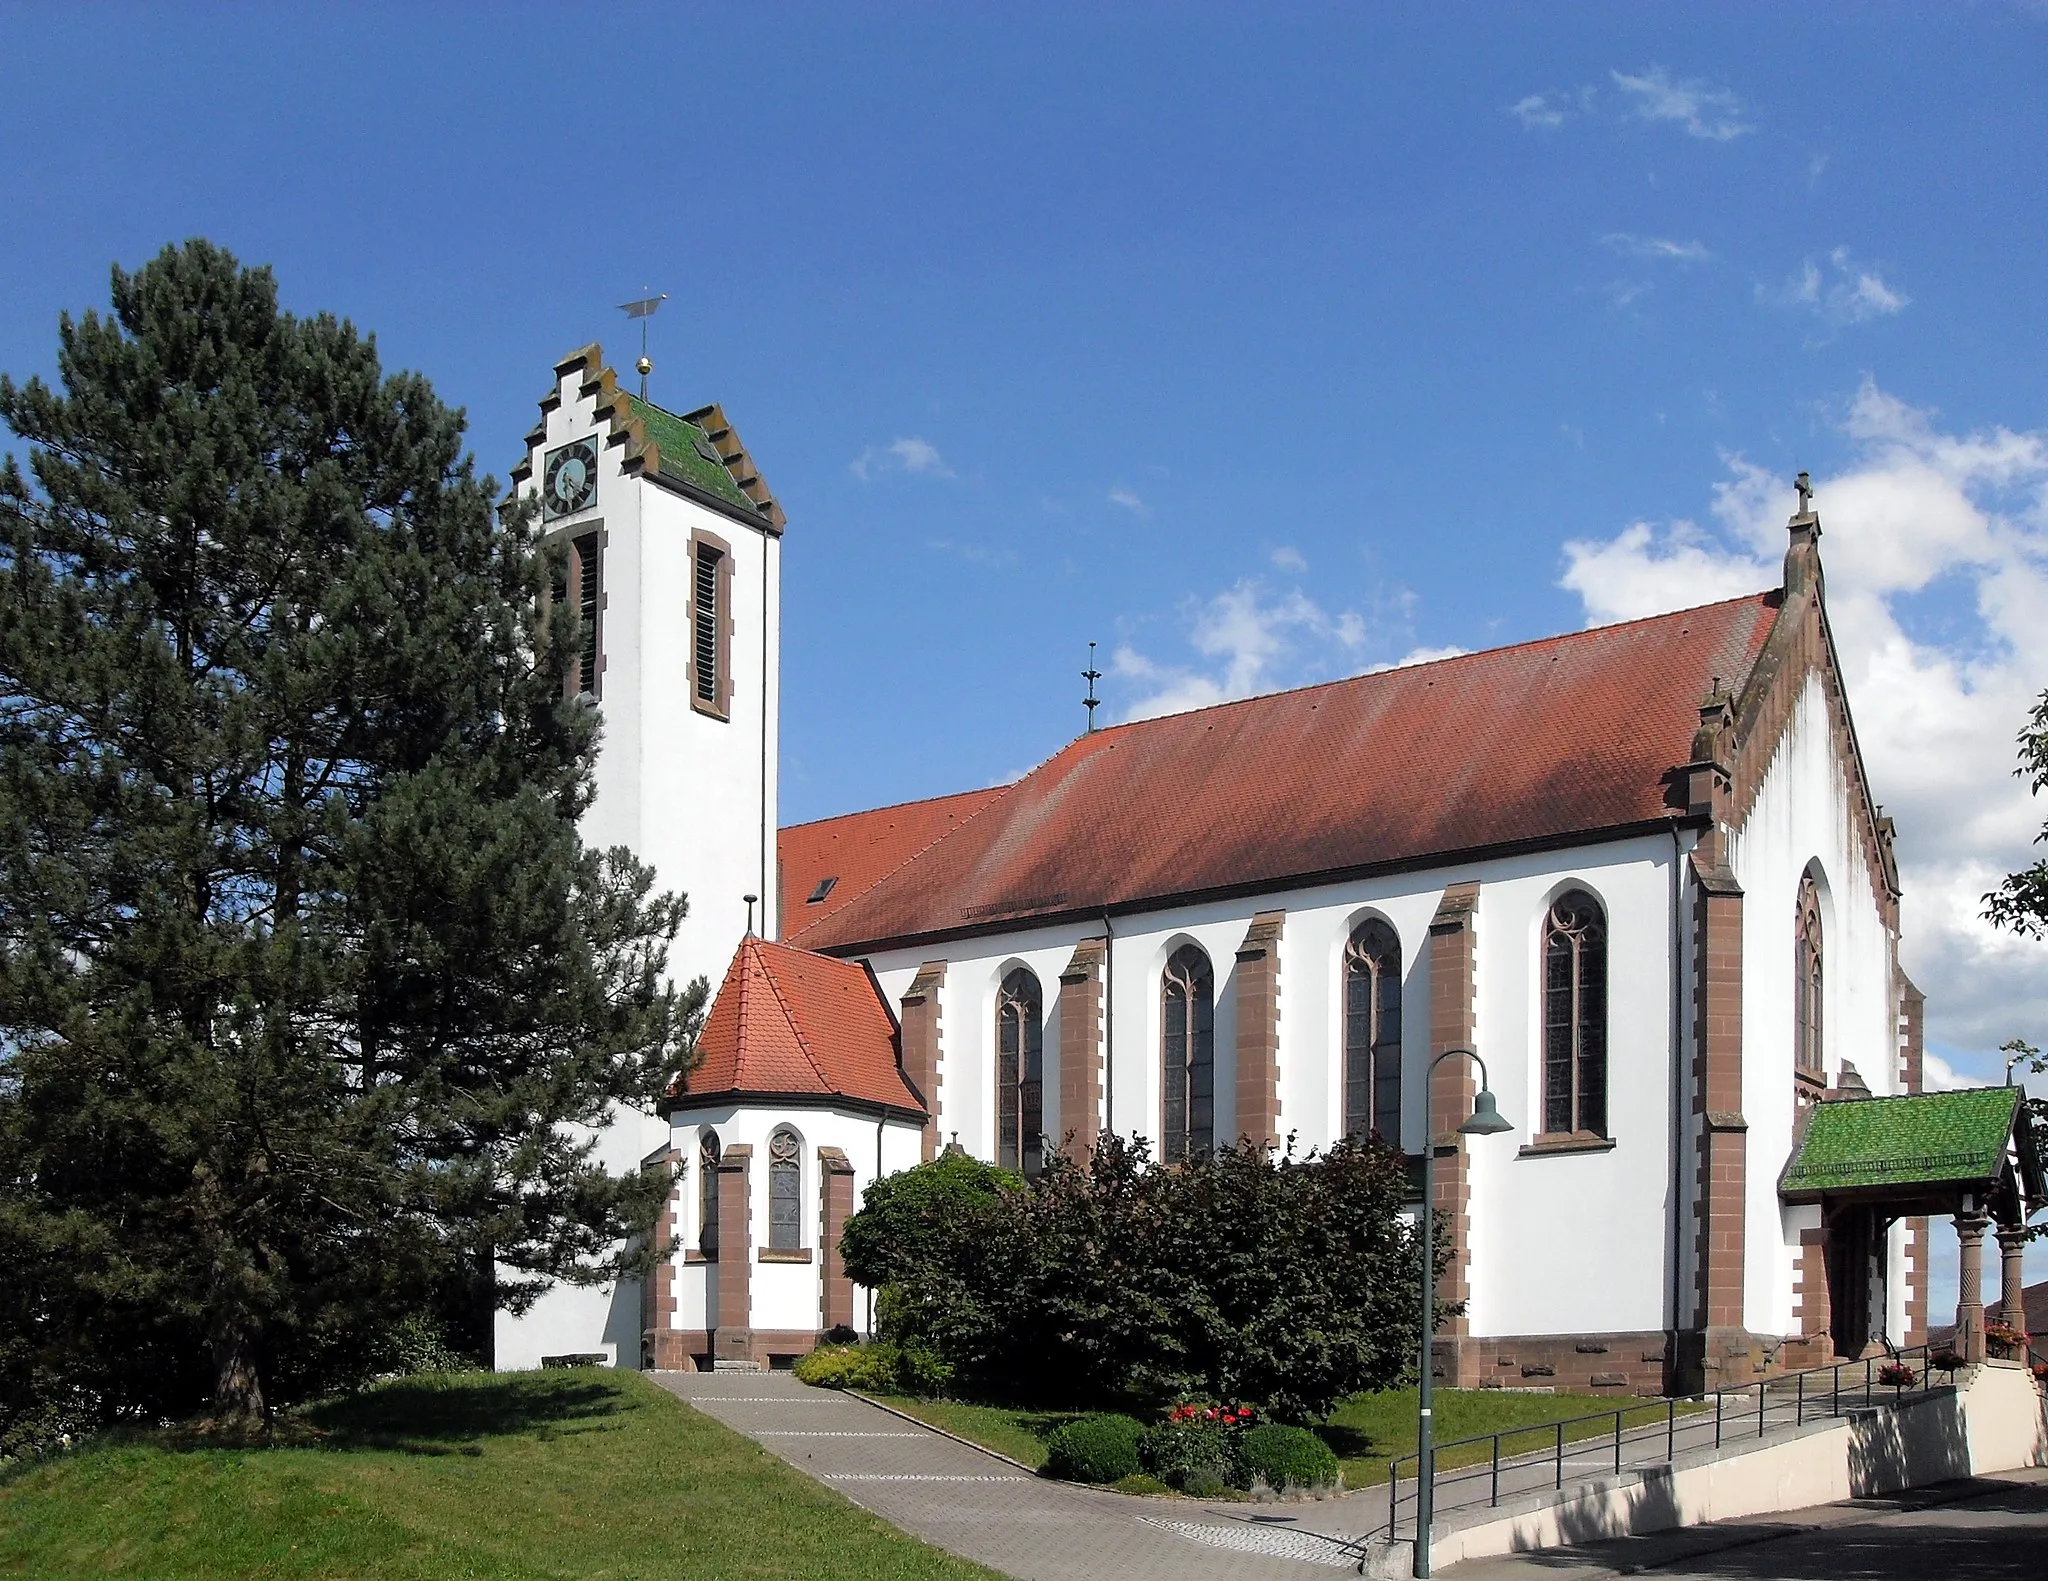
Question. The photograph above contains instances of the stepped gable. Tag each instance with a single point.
(858, 850)
(1521, 747)
(790, 1024)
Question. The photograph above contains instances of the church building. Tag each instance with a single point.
(1638, 870)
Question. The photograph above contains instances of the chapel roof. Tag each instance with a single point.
(1513, 748)
(787, 1023)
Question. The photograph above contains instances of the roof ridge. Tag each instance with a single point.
(943, 834)
(897, 806)
(1422, 664)
(789, 1013)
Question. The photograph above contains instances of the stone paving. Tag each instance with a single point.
(985, 1509)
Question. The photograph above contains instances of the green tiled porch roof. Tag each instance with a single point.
(1923, 1139)
(686, 452)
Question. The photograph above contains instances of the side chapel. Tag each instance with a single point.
(1638, 869)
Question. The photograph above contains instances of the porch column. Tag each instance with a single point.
(2012, 1302)
(1970, 1286)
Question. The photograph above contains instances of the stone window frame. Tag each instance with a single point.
(719, 704)
(1809, 983)
(785, 1180)
(1371, 940)
(1020, 1072)
(1576, 918)
(572, 534)
(1189, 973)
(709, 1152)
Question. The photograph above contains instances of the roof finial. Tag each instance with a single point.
(1091, 675)
(1804, 485)
(643, 310)
(750, 899)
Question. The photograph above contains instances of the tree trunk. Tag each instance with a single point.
(237, 1387)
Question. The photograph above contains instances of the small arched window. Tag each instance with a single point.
(1575, 1017)
(1372, 1032)
(785, 1191)
(1808, 1053)
(707, 1194)
(1020, 1073)
(1188, 1055)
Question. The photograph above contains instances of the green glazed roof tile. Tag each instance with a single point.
(1921, 1139)
(686, 452)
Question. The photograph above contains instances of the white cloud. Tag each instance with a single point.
(1539, 110)
(1546, 112)
(1839, 289)
(1289, 559)
(1920, 513)
(907, 454)
(1702, 109)
(1252, 643)
(1656, 247)
(1128, 500)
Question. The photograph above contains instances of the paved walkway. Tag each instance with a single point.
(985, 1509)
(1987, 1529)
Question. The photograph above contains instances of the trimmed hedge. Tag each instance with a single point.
(1094, 1449)
(879, 1369)
(1288, 1457)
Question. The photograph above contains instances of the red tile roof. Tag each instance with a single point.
(788, 1023)
(1526, 745)
(860, 849)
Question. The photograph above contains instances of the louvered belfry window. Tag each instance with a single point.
(1575, 1017)
(706, 614)
(1372, 1033)
(1188, 1055)
(785, 1191)
(586, 558)
(1020, 1073)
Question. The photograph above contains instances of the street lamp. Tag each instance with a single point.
(1486, 1120)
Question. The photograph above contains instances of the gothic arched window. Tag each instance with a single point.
(1020, 1073)
(1188, 1055)
(1575, 1017)
(1808, 1053)
(785, 1191)
(1372, 1032)
(707, 1194)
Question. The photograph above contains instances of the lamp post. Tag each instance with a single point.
(1486, 1120)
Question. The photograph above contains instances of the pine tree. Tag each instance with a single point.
(309, 991)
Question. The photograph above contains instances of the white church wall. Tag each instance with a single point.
(784, 1296)
(1802, 817)
(1545, 1228)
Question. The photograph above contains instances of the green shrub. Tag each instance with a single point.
(1094, 1449)
(1194, 1447)
(878, 1369)
(1288, 1457)
(871, 1367)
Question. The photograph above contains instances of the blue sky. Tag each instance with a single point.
(1259, 345)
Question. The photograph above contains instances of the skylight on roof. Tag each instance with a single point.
(824, 888)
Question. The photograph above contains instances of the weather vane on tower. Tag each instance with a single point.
(643, 310)
(1091, 675)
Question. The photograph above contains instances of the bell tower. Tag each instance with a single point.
(675, 559)
(675, 555)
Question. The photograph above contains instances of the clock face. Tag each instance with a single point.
(569, 480)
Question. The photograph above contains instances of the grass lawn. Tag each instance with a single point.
(1019, 1434)
(556, 1474)
(1367, 1431)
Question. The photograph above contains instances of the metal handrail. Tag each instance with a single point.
(1762, 1398)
